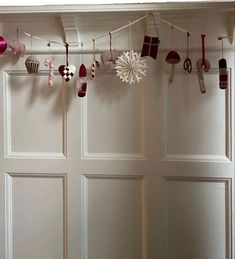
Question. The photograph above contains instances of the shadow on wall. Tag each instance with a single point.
(34, 90)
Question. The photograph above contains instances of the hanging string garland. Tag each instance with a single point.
(130, 67)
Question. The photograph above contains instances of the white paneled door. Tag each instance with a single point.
(140, 172)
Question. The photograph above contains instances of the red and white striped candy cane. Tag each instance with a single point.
(50, 63)
(95, 65)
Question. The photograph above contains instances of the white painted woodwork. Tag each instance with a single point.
(140, 172)
(201, 203)
(35, 212)
(21, 107)
(120, 139)
(119, 222)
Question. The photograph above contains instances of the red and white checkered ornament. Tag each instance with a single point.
(66, 71)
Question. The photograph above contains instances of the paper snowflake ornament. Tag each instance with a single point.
(131, 67)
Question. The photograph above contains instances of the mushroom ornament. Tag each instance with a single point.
(172, 58)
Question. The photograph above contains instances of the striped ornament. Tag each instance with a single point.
(50, 63)
(95, 65)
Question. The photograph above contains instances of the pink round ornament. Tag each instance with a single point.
(3, 44)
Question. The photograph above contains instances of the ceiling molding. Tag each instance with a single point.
(70, 29)
(118, 7)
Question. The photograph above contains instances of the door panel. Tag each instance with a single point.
(35, 215)
(127, 172)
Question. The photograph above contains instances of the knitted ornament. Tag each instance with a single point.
(200, 69)
(223, 74)
(50, 63)
(95, 64)
(3, 44)
(82, 81)
(130, 67)
(172, 58)
(110, 57)
(32, 65)
(150, 45)
(17, 47)
(66, 71)
(187, 61)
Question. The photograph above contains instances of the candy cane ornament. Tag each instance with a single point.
(95, 64)
(50, 63)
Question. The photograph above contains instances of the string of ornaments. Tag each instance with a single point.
(129, 65)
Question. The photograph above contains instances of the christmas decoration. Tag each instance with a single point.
(172, 58)
(50, 63)
(223, 74)
(82, 81)
(66, 71)
(187, 61)
(150, 45)
(200, 68)
(110, 57)
(95, 64)
(3, 44)
(17, 47)
(203, 59)
(32, 65)
(130, 67)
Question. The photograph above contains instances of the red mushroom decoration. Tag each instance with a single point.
(172, 58)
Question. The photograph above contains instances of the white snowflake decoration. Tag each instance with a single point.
(130, 67)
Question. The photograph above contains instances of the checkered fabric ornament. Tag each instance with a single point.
(67, 72)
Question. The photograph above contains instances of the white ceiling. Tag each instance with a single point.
(69, 2)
